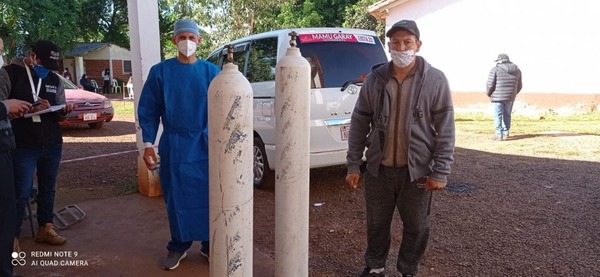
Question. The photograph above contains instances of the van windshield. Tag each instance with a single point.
(337, 58)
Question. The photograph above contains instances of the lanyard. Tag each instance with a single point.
(35, 92)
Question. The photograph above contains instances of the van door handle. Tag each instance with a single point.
(267, 109)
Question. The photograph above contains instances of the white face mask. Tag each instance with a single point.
(402, 58)
(187, 47)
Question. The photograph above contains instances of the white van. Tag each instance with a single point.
(340, 58)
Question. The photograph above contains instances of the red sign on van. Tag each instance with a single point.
(329, 37)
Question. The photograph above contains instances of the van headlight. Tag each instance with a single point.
(107, 104)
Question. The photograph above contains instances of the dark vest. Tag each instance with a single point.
(29, 134)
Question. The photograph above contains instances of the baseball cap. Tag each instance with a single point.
(48, 53)
(185, 25)
(405, 24)
(502, 58)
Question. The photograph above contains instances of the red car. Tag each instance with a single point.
(89, 108)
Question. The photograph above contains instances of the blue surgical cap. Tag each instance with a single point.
(186, 25)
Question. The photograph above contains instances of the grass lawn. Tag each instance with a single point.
(588, 123)
(573, 137)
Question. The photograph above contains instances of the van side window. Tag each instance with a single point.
(214, 58)
(262, 60)
(240, 53)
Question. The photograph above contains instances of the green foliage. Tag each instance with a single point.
(69, 22)
(299, 15)
(356, 16)
(104, 21)
(25, 21)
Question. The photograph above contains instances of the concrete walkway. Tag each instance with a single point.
(120, 236)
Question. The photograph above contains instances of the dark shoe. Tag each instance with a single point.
(204, 250)
(408, 275)
(172, 260)
(366, 273)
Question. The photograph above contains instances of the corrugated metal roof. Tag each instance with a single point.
(86, 47)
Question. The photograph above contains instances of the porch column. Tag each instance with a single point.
(145, 52)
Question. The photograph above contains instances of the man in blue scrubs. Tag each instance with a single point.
(176, 94)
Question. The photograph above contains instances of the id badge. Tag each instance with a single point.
(36, 118)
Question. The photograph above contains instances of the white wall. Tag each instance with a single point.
(118, 53)
(556, 43)
(100, 54)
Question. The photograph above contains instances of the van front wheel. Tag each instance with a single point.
(264, 177)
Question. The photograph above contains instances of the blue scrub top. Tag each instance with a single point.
(177, 94)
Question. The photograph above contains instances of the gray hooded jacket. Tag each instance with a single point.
(504, 82)
(7, 139)
(430, 124)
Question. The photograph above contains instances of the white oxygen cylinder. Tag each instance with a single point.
(292, 120)
(230, 136)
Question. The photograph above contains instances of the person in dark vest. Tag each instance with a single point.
(8, 109)
(503, 84)
(38, 137)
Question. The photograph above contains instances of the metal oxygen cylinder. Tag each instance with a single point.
(230, 136)
(292, 115)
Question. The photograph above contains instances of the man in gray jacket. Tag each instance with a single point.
(503, 85)
(9, 108)
(405, 117)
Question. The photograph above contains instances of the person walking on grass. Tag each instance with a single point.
(503, 84)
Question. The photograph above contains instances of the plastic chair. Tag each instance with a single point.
(95, 85)
(115, 86)
(129, 91)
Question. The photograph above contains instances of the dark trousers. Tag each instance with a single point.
(383, 194)
(8, 215)
(44, 160)
(106, 87)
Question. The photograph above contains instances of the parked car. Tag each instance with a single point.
(340, 59)
(89, 108)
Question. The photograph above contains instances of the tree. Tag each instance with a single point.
(299, 15)
(104, 21)
(356, 16)
(24, 22)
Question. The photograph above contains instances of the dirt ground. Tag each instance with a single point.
(502, 214)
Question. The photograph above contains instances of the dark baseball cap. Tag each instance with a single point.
(47, 52)
(408, 25)
(502, 58)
